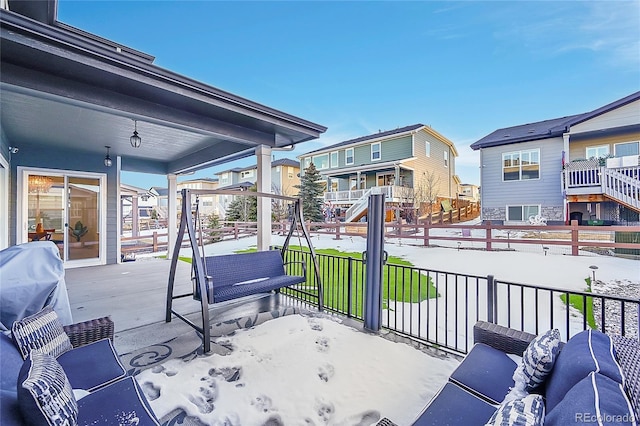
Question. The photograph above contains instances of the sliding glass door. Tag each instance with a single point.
(66, 208)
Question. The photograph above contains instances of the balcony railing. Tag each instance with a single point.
(391, 192)
(441, 307)
(590, 177)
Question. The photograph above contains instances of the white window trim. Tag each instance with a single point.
(246, 174)
(337, 155)
(318, 164)
(520, 175)
(446, 159)
(522, 206)
(379, 151)
(346, 156)
(427, 149)
(596, 147)
(615, 145)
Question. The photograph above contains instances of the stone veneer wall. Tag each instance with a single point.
(554, 213)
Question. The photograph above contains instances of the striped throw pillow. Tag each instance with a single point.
(526, 411)
(42, 331)
(537, 361)
(45, 396)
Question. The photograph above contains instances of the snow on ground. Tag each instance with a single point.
(299, 370)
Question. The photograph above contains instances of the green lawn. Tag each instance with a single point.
(579, 302)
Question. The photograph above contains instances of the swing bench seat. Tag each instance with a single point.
(237, 275)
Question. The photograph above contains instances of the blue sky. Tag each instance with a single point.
(464, 68)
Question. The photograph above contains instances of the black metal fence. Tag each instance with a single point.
(440, 307)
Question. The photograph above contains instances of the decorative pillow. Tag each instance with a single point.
(44, 392)
(586, 352)
(42, 331)
(537, 361)
(596, 399)
(628, 354)
(526, 411)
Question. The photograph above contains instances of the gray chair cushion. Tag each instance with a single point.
(92, 366)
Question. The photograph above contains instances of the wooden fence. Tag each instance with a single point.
(485, 236)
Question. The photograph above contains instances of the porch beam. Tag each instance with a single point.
(172, 211)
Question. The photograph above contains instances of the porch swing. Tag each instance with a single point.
(226, 277)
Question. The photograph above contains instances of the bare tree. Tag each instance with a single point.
(425, 192)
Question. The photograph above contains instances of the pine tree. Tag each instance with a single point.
(244, 208)
(311, 191)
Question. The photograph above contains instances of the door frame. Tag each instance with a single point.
(22, 210)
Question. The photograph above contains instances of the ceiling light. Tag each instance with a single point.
(107, 159)
(135, 139)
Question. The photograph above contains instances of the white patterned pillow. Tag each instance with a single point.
(537, 361)
(526, 411)
(45, 395)
(42, 331)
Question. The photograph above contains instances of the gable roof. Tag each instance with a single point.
(379, 135)
(547, 128)
(285, 162)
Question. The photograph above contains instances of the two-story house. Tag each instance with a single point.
(413, 166)
(285, 176)
(208, 203)
(583, 167)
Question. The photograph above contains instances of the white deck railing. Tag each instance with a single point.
(620, 183)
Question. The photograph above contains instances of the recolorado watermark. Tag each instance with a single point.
(605, 418)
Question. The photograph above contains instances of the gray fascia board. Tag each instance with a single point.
(169, 79)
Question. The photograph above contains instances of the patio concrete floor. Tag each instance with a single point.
(134, 295)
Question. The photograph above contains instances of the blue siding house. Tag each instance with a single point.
(583, 167)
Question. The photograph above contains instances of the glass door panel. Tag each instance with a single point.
(45, 209)
(83, 218)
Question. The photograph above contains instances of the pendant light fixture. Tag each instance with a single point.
(107, 159)
(135, 139)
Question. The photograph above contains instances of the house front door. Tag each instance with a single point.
(66, 208)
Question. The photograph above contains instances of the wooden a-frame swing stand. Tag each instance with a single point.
(226, 277)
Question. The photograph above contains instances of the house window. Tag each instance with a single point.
(224, 178)
(385, 179)
(290, 172)
(626, 148)
(597, 151)
(427, 150)
(246, 174)
(307, 162)
(375, 151)
(348, 156)
(334, 159)
(522, 213)
(446, 158)
(277, 169)
(321, 161)
(521, 165)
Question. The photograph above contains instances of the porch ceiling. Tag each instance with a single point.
(62, 89)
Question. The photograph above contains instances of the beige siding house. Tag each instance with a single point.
(414, 166)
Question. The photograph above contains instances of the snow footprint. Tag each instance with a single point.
(365, 418)
(262, 403)
(315, 324)
(325, 372)
(204, 406)
(151, 391)
(322, 344)
(324, 410)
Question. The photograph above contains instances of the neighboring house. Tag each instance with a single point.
(208, 203)
(470, 192)
(285, 175)
(582, 167)
(136, 206)
(405, 163)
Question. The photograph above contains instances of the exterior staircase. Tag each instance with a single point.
(623, 186)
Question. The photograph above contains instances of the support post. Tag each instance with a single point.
(374, 259)
(263, 154)
(172, 212)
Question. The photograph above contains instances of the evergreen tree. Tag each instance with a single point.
(243, 208)
(311, 191)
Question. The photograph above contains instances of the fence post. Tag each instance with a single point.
(349, 285)
(426, 226)
(488, 234)
(375, 256)
(236, 230)
(155, 241)
(574, 238)
(338, 228)
(491, 297)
